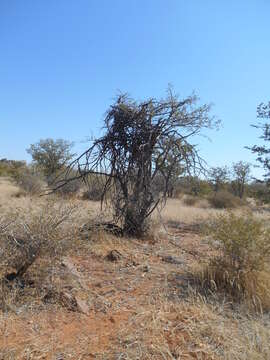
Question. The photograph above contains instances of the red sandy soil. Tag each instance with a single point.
(117, 292)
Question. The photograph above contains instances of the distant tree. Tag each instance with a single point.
(263, 151)
(138, 140)
(241, 175)
(259, 190)
(218, 177)
(171, 168)
(50, 156)
(199, 187)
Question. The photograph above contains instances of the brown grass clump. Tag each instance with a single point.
(240, 268)
(28, 236)
(164, 329)
(190, 200)
(29, 182)
(198, 202)
(224, 200)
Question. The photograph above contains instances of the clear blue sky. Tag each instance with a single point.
(63, 61)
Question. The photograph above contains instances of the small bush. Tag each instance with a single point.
(260, 192)
(29, 182)
(94, 192)
(18, 194)
(240, 267)
(91, 195)
(10, 167)
(26, 235)
(224, 200)
(178, 194)
(190, 200)
(70, 188)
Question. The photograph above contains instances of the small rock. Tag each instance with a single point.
(74, 303)
(71, 267)
(171, 260)
(146, 268)
(82, 306)
(68, 301)
(114, 255)
(112, 319)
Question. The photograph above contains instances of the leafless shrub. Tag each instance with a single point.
(28, 235)
(70, 189)
(218, 176)
(28, 181)
(241, 172)
(94, 189)
(142, 141)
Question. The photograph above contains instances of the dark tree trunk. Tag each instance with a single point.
(134, 225)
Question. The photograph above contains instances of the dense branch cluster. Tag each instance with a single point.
(141, 142)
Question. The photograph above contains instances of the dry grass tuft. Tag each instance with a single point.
(27, 238)
(29, 182)
(225, 200)
(165, 329)
(175, 210)
(141, 307)
(190, 200)
(240, 269)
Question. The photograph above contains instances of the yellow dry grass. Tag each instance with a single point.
(7, 189)
(176, 210)
(145, 317)
(194, 330)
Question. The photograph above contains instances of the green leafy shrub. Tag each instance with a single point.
(240, 268)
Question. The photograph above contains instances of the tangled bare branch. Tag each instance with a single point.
(142, 141)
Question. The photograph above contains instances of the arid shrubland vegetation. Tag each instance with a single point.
(33, 231)
(33, 237)
(166, 324)
(240, 267)
(188, 279)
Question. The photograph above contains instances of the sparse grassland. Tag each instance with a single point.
(91, 295)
